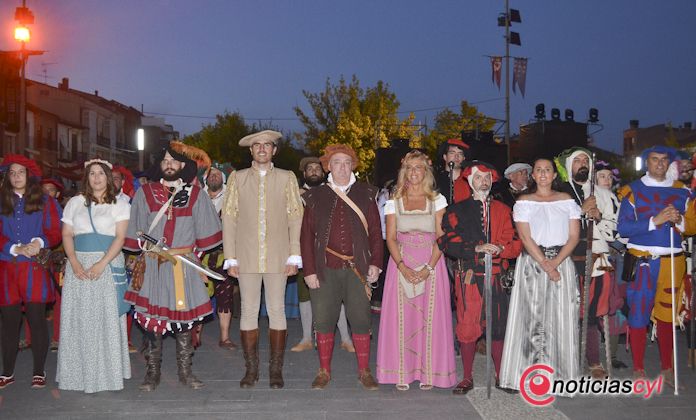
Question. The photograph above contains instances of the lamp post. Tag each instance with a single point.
(24, 17)
(141, 149)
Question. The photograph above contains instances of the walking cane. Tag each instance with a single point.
(587, 280)
(692, 302)
(674, 334)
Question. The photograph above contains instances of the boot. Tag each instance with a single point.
(250, 346)
(275, 365)
(152, 350)
(184, 353)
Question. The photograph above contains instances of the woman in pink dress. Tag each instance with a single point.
(415, 330)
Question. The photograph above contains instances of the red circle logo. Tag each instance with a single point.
(539, 385)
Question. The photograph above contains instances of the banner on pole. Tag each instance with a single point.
(496, 67)
(519, 74)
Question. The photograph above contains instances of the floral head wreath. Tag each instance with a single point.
(91, 161)
(417, 154)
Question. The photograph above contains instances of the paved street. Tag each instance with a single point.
(344, 399)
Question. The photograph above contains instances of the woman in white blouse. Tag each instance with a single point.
(93, 352)
(543, 324)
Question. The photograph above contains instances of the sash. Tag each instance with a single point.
(97, 242)
(343, 196)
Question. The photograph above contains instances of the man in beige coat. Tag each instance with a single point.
(261, 219)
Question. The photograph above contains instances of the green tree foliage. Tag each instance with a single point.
(450, 124)
(365, 119)
(221, 141)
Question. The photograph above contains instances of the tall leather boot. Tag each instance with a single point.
(275, 364)
(184, 353)
(250, 346)
(152, 350)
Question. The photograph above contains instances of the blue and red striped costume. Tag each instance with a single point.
(649, 294)
(23, 280)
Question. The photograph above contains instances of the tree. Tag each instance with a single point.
(221, 142)
(221, 139)
(450, 124)
(365, 119)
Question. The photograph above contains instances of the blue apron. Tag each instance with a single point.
(96, 242)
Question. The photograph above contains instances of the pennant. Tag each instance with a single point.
(496, 66)
(519, 75)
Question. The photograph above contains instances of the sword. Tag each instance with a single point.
(488, 298)
(159, 245)
(692, 321)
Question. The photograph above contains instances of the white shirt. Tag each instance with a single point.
(440, 203)
(105, 216)
(548, 220)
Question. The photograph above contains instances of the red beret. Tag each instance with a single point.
(459, 143)
(31, 166)
(483, 167)
(332, 149)
(127, 175)
(59, 185)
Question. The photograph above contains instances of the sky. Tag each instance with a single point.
(630, 59)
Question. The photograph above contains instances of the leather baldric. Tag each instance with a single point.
(343, 196)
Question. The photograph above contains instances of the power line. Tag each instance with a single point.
(206, 117)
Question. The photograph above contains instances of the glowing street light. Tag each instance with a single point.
(22, 34)
(639, 163)
(141, 148)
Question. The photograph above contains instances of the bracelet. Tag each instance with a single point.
(429, 267)
(399, 263)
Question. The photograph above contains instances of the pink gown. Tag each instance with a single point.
(416, 340)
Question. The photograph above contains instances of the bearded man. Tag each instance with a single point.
(476, 226)
(172, 296)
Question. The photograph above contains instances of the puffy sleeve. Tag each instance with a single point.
(121, 211)
(52, 234)
(440, 202)
(389, 207)
(138, 219)
(521, 211)
(206, 222)
(574, 211)
(70, 209)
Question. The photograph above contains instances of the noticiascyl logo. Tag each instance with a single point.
(537, 388)
(535, 385)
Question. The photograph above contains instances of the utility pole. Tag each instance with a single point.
(507, 78)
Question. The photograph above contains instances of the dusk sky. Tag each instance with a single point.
(631, 59)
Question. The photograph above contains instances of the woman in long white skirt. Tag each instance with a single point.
(543, 324)
(93, 353)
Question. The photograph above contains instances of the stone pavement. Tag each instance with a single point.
(343, 399)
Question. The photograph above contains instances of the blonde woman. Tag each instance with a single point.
(415, 334)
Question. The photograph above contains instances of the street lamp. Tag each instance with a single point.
(22, 34)
(141, 148)
(639, 163)
(24, 17)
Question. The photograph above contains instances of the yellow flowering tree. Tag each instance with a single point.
(450, 124)
(365, 119)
